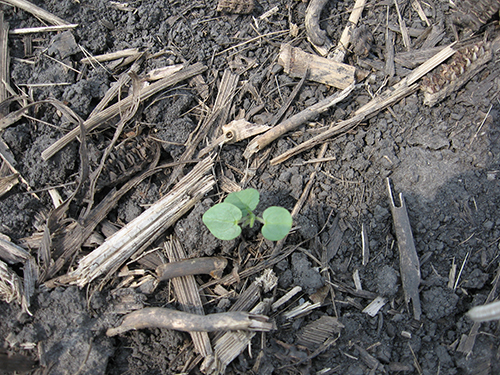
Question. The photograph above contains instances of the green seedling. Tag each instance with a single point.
(224, 220)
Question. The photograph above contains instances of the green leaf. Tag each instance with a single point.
(222, 221)
(277, 223)
(246, 200)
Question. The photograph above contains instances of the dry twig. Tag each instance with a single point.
(295, 121)
(152, 317)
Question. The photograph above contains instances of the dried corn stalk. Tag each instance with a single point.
(13, 254)
(232, 343)
(140, 232)
(186, 290)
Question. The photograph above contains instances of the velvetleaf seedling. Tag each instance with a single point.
(224, 219)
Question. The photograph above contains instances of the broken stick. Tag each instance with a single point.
(295, 121)
(213, 266)
(158, 317)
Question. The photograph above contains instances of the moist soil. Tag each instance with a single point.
(444, 159)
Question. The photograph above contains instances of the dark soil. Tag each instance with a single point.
(445, 160)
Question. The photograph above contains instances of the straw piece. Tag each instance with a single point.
(123, 105)
(37, 12)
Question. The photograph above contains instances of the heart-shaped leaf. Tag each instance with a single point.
(222, 221)
(277, 223)
(246, 200)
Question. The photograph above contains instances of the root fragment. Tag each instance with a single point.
(152, 317)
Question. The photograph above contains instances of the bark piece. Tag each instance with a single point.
(296, 63)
